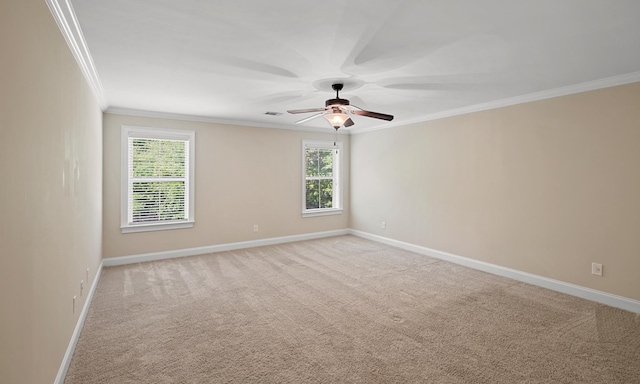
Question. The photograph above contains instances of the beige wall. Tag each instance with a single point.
(546, 187)
(244, 176)
(50, 199)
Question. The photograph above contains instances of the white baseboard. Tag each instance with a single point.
(555, 285)
(541, 281)
(122, 260)
(66, 360)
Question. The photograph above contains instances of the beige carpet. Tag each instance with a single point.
(343, 310)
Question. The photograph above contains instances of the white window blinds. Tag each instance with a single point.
(159, 173)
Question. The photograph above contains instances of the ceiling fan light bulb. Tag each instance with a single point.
(336, 119)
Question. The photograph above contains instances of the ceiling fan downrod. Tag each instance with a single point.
(337, 87)
(337, 100)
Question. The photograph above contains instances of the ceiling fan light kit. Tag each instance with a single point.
(336, 119)
(337, 111)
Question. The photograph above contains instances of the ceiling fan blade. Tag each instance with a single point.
(348, 122)
(375, 115)
(310, 118)
(307, 110)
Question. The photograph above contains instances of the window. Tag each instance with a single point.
(321, 189)
(157, 179)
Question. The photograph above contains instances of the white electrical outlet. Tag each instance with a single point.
(596, 269)
(255, 227)
(383, 225)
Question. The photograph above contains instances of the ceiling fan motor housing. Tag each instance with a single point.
(331, 102)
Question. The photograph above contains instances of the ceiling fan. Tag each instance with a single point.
(337, 111)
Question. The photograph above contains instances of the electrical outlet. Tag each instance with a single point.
(255, 227)
(383, 225)
(596, 269)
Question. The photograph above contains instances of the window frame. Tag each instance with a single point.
(161, 134)
(336, 208)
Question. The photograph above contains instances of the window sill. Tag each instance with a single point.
(155, 227)
(321, 212)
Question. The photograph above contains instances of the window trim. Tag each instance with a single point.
(127, 131)
(337, 179)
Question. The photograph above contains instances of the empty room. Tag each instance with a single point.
(319, 192)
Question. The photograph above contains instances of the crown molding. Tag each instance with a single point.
(593, 85)
(206, 119)
(65, 17)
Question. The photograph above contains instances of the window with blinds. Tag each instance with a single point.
(159, 174)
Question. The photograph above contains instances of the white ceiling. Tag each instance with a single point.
(235, 60)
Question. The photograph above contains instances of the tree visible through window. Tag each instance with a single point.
(321, 182)
(158, 179)
(159, 169)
